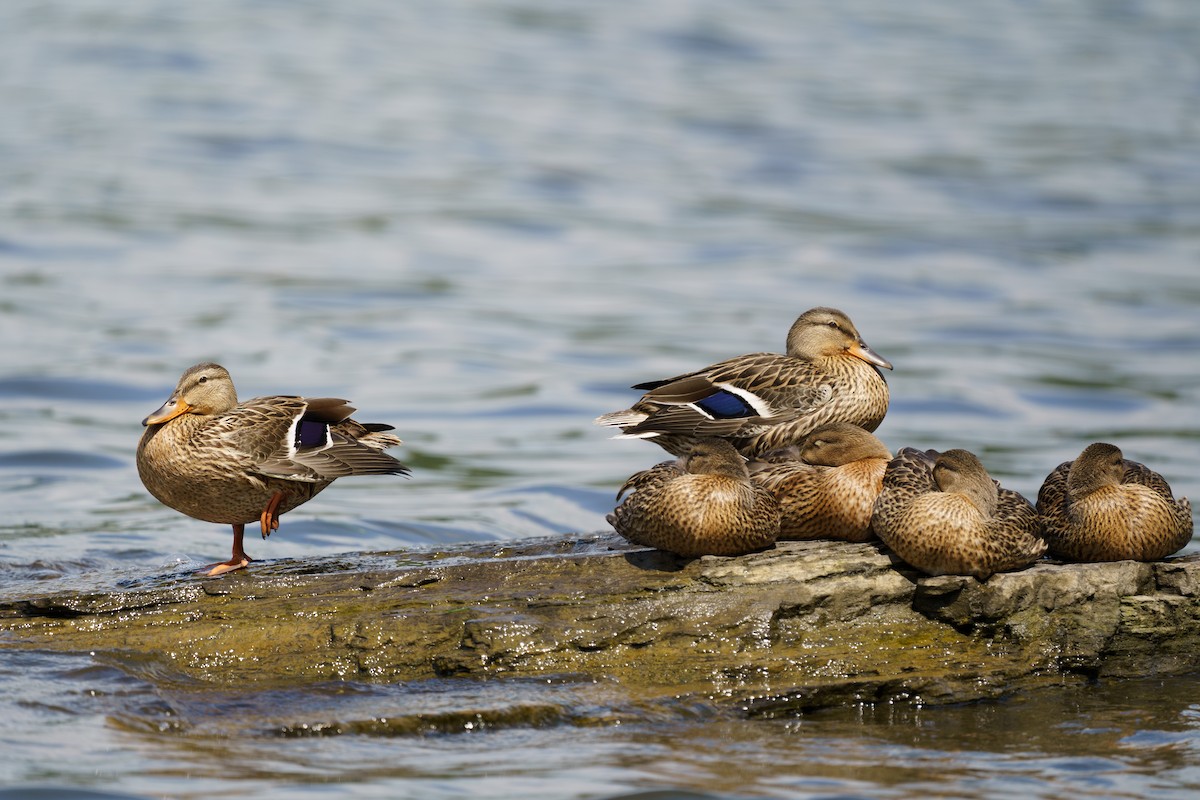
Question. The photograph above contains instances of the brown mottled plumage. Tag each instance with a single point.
(826, 487)
(764, 401)
(208, 456)
(701, 504)
(1103, 507)
(943, 514)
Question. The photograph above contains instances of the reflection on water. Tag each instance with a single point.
(483, 223)
(564, 738)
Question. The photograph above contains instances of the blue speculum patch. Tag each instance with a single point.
(311, 434)
(726, 405)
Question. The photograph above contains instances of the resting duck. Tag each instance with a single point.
(215, 459)
(826, 486)
(943, 514)
(1103, 507)
(701, 504)
(765, 401)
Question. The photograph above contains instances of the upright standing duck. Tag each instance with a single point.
(1104, 507)
(943, 514)
(215, 459)
(765, 401)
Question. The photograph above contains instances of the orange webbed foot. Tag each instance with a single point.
(237, 560)
(225, 566)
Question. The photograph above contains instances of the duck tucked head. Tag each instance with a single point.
(840, 443)
(204, 389)
(715, 457)
(961, 472)
(822, 332)
(1099, 465)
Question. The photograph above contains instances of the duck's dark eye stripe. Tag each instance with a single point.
(726, 405)
(311, 434)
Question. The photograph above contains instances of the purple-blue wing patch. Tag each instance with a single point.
(311, 434)
(726, 405)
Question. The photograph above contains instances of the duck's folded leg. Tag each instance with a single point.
(237, 560)
(269, 521)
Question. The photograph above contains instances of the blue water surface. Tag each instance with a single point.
(482, 222)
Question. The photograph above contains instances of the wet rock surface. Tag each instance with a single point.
(802, 626)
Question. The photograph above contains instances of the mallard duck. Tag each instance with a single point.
(827, 485)
(701, 504)
(764, 401)
(215, 459)
(943, 514)
(1103, 507)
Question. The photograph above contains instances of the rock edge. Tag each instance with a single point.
(798, 627)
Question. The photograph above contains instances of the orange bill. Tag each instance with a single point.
(860, 350)
(168, 411)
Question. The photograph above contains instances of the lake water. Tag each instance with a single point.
(482, 222)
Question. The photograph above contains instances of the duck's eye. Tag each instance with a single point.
(833, 324)
(203, 379)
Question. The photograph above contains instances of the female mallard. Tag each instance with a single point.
(827, 486)
(943, 514)
(764, 401)
(1103, 507)
(701, 504)
(215, 459)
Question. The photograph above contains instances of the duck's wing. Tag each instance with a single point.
(652, 478)
(751, 390)
(1019, 523)
(306, 439)
(776, 476)
(907, 477)
(911, 472)
(1052, 496)
(1141, 474)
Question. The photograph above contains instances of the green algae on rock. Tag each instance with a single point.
(801, 626)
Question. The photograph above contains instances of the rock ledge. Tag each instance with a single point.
(801, 626)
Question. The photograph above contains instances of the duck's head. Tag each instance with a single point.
(840, 443)
(714, 457)
(961, 472)
(204, 389)
(823, 332)
(1100, 464)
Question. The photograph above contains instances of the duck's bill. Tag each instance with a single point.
(860, 350)
(168, 411)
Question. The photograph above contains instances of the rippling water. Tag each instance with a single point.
(482, 223)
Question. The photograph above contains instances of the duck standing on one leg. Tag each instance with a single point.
(764, 401)
(212, 458)
(1104, 507)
